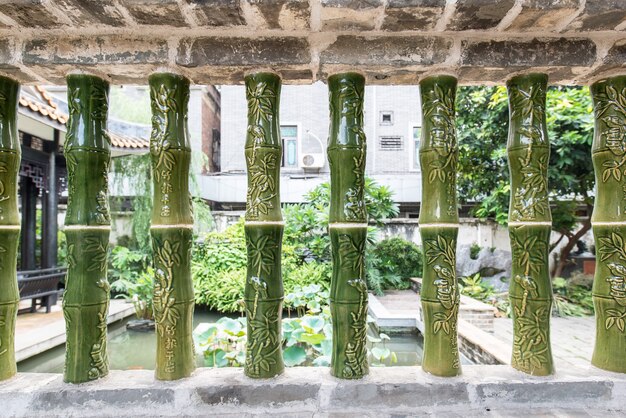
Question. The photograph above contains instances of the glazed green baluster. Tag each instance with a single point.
(87, 228)
(439, 226)
(172, 226)
(263, 228)
(609, 223)
(348, 226)
(10, 155)
(530, 223)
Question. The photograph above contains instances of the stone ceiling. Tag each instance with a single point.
(390, 41)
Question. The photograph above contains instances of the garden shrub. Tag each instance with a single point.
(392, 262)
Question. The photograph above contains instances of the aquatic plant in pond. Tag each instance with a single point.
(306, 338)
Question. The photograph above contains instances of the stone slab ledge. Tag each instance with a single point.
(313, 392)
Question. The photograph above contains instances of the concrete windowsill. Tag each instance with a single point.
(312, 391)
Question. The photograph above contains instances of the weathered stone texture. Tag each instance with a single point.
(88, 13)
(600, 15)
(525, 392)
(537, 15)
(110, 49)
(412, 14)
(130, 58)
(283, 14)
(396, 51)
(534, 53)
(8, 64)
(279, 393)
(155, 12)
(220, 51)
(479, 14)
(217, 12)
(350, 14)
(311, 391)
(30, 13)
(379, 394)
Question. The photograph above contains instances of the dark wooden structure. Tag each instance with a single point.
(42, 286)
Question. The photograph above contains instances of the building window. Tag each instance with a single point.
(289, 135)
(386, 117)
(390, 143)
(417, 132)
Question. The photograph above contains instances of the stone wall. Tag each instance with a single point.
(390, 41)
(301, 391)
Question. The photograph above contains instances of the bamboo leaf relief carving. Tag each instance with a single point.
(348, 229)
(98, 353)
(613, 136)
(353, 253)
(171, 232)
(531, 343)
(262, 192)
(260, 101)
(263, 228)
(356, 351)
(164, 160)
(440, 254)
(86, 299)
(3, 350)
(439, 108)
(438, 219)
(530, 294)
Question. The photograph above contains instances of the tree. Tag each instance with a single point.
(482, 118)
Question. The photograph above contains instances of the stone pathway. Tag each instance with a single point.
(572, 339)
(38, 332)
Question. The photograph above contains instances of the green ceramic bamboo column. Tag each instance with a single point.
(263, 228)
(439, 226)
(87, 228)
(530, 223)
(10, 155)
(348, 226)
(609, 223)
(172, 226)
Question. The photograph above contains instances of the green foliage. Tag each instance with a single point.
(474, 251)
(140, 292)
(219, 259)
(306, 225)
(133, 175)
(572, 297)
(307, 338)
(131, 105)
(390, 264)
(125, 267)
(474, 287)
(61, 248)
(482, 120)
(219, 270)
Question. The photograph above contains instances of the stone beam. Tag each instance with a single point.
(389, 41)
(311, 391)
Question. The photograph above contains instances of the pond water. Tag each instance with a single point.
(131, 350)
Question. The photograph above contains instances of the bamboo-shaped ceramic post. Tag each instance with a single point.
(87, 228)
(348, 226)
(439, 226)
(609, 223)
(10, 154)
(530, 223)
(263, 228)
(172, 226)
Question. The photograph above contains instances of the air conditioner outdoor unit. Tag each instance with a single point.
(312, 160)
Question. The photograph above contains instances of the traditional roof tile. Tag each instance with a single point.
(38, 100)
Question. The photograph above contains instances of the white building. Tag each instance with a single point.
(392, 126)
